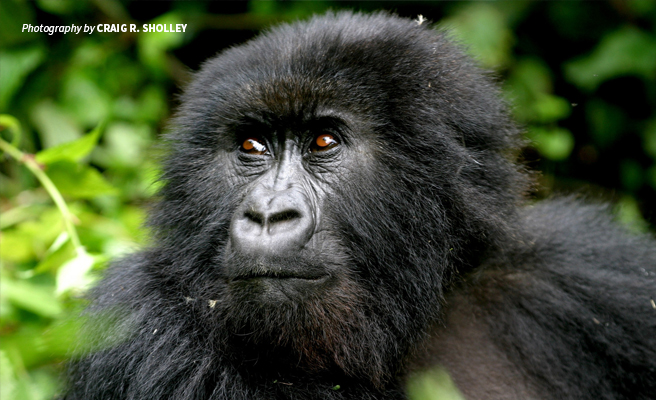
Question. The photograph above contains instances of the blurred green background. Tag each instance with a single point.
(86, 110)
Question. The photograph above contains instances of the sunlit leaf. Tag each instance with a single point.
(435, 384)
(75, 276)
(16, 246)
(59, 6)
(530, 87)
(555, 144)
(19, 214)
(31, 238)
(38, 385)
(75, 150)
(61, 251)
(533, 75)
(8, 313)
(53, 125)
(84, 99)
(629, 214)
(7, 377)
(550, 108)
(154, 45)
(79, 181)
(35, 298)
(484, 29)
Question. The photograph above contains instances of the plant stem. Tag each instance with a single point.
(31, 164)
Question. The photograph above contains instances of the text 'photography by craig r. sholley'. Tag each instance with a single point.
(103, 28)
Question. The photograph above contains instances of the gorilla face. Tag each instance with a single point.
(291, 280)
(288, 278)
(280, 246)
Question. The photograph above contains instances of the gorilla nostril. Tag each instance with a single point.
(254, 216)
(283, 216)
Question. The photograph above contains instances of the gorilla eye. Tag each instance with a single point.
(254, 146)
(324, 142)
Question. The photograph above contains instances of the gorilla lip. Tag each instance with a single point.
(241, 268)
(282, 275)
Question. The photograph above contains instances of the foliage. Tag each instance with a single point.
(581, 75)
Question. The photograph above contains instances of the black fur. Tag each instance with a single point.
(423, 215)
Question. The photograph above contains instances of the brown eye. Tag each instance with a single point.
(254, 146)
(324, 142)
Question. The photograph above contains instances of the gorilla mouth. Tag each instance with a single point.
(245, 268)
(283, 275)
(280, 286)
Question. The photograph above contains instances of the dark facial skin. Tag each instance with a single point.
(285, 175)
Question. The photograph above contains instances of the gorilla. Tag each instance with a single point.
(343, 209)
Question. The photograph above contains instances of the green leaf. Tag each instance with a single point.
(75, 276)
(11, 125)
(61, 7)
(71, 151)
(549, 108)
(435, 384)
(152, 46)
(16, 246)
(53, 124)
(83, 98)
(14, 67)
(533, 75)
(35, 298)
(79, 181)
(553, 143)
(629, 214)
(484, 29)
(124, 145)
(622, 52)
(19, 214)
(30, 239)
(61, 251)
(7, 377)
(530, 87)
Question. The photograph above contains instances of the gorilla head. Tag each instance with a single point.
(325, 181)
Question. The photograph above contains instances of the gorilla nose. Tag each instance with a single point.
(272, 224)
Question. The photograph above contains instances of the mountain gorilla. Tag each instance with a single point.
(341, 210)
